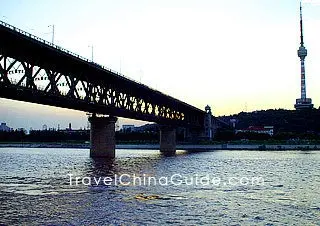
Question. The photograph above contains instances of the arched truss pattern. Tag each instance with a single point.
(67, 87)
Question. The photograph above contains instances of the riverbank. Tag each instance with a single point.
(196, 147)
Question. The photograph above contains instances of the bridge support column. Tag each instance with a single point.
(102, 136)
(167, 140)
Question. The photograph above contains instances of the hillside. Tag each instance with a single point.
(284, 121)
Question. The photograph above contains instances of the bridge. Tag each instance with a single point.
(34, 70)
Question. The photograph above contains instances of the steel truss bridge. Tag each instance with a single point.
(34, 70)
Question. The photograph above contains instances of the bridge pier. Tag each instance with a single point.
(167, 140)
(102, 136)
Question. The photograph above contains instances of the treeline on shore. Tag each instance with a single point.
(222, 135)
(286, 122)
(78, 136)
(290, 126)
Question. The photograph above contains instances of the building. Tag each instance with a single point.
(4, 127)
(303, 102)
(233, 123)
(257, 129)
(147, 128)
(44, 127)
(128, 128)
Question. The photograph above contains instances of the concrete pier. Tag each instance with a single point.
(102, 136)
(167, 140)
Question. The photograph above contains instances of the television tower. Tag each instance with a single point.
(303, 102)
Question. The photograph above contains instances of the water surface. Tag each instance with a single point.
(35, 188)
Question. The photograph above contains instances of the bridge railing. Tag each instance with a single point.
(61, 48)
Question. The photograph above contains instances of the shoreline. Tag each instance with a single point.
(187, 147)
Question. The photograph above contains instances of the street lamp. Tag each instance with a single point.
(52, 32)
(91, 46)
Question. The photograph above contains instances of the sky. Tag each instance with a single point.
(232, 55)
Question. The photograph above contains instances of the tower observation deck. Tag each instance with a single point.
(303, 102)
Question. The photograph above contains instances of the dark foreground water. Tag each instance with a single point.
(35, 188)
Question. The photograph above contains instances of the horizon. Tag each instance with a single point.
(135, 123)
(249, 34)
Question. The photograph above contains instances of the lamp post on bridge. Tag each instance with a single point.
(52, 25)
(4, 17)
(91, 46)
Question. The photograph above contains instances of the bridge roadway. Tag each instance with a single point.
(34, 70)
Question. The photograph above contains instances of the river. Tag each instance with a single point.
(38, 187)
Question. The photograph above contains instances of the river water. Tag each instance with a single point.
(204, 188)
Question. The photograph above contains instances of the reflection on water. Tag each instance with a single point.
(34, 188)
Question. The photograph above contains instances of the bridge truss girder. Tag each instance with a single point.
(26, 81)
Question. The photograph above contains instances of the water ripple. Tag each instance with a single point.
(35, 189)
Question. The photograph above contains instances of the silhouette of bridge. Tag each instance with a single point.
(37, 71)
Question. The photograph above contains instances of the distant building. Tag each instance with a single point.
(128, 128)
(233, 123)
(74, 131)
(44, 127)
(257, 129)
(4, 127)
(147, 128)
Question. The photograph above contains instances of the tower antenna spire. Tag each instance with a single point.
(301, 26)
